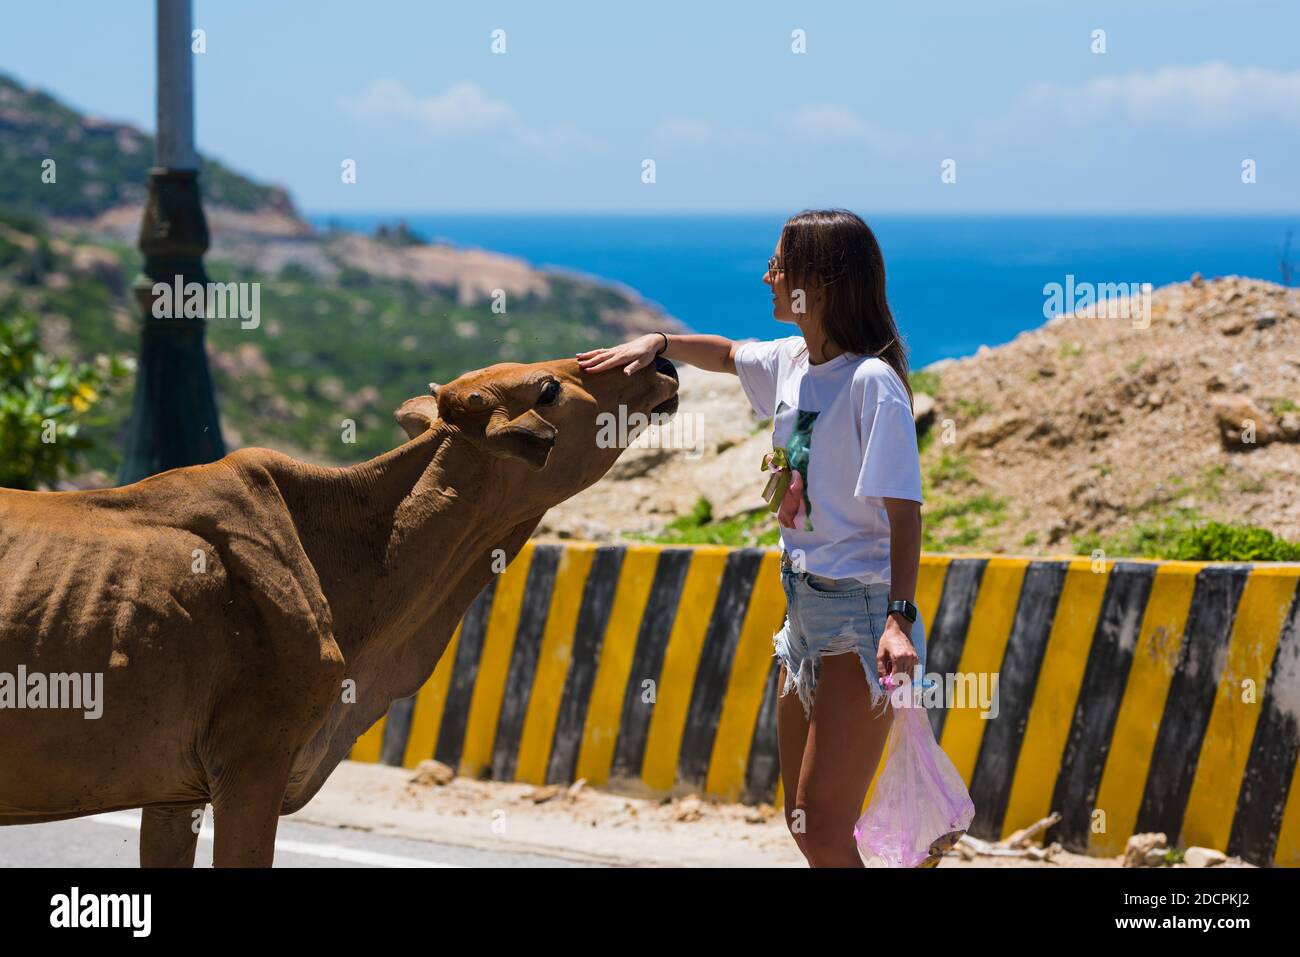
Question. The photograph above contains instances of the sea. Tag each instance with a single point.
(954, 282)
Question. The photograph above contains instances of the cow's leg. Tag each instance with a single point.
(169, 835)
(246, 811)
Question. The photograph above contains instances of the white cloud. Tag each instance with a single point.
(463, 109)
(1213, 93)
(828, 122)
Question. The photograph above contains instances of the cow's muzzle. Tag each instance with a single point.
(669, 405)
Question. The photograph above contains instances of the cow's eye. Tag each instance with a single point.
(550, 392)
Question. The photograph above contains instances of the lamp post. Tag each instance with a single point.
(174, 418)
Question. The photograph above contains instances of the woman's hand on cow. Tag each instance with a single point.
(632, 356)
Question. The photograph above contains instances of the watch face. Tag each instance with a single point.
(905, 608)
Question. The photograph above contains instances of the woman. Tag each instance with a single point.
(850, 511)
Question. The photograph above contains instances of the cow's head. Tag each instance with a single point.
(547, 426)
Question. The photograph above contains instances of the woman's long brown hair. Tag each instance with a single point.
(833, 254)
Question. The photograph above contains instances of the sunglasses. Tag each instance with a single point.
(774, 265)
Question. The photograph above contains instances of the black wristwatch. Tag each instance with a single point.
(904, 608)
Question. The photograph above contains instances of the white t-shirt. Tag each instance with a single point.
(853, 416)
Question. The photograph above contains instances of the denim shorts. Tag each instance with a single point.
(831, 616)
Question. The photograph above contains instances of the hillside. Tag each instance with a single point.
(99, 164)
(1084, 433)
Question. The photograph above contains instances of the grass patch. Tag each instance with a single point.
(962, 523)
(755, 527)
(970, 409)
(1184, 535)
(927, 382)
(1280, 405)
(950, 468)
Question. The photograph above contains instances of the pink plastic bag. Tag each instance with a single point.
(920, 807)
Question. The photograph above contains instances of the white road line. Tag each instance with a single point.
(336, 852)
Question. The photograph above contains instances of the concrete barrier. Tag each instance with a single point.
(1132, 696)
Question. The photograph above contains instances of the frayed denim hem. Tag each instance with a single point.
(803, 679)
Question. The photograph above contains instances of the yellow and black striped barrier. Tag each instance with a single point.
(1131, 696)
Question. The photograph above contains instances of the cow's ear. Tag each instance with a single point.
(527, 437)
(416, 416)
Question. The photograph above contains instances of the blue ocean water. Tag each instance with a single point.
(954, 283)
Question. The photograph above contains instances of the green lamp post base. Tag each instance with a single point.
(174, 419)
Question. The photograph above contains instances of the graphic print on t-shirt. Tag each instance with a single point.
(796, 425)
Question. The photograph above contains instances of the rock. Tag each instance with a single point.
(546, 793)
(1234, 415)
(923, 410)
(1290, 427)
(1197, 280)
(996, 430)
(1135, 851)
(1203, 857)
(688, 809)
(1265, 319)
(433, 774)
(1235, 324)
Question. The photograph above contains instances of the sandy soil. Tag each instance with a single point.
(579, 823)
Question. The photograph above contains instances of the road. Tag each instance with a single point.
(112, 840)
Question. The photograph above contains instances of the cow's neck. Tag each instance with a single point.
(390, 537)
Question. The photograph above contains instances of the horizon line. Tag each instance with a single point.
(704, 211)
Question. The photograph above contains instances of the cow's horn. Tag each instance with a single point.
(433, 389)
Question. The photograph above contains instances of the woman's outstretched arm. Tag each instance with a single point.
(711, 353)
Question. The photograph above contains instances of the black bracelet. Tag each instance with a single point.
(660, 352)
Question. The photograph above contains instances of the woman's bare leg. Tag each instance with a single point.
(839, 762)
(791, 736)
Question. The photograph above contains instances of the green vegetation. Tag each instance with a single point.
(1281, 405)
(1220, 542)
(950, 468)
(961, 523)
(46, 406)
(970, 409)
(1183, 534)
(752, 528)
(98, 165)
(922, 381)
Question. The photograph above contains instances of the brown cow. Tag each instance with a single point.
(252, 617)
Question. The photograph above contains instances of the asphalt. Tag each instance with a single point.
(112, 840)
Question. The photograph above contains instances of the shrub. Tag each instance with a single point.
(45, 404)
(1219, 542)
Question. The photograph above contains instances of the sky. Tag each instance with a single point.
(1009, 98)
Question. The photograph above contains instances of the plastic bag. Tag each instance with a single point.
(920, 806)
